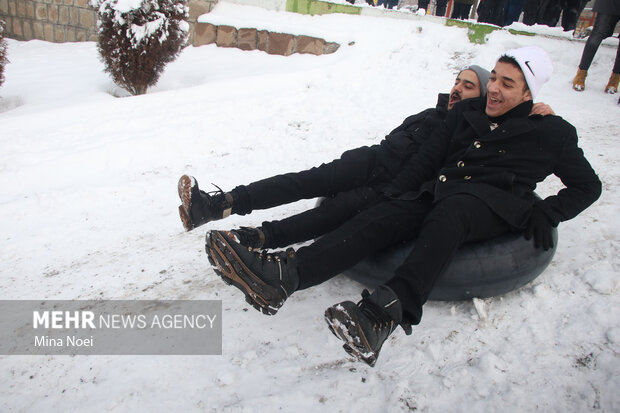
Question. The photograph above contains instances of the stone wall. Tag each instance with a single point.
(51, 20)
(252, 39)
(66, 20)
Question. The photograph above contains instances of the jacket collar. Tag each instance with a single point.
(511, 124)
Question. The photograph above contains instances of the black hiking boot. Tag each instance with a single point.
(199, 207)
(267, 280)
(251, 237)
(365, 326)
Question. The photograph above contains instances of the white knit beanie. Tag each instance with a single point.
(535, 64)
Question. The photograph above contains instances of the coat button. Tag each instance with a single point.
(443, 178)
(502, 151)
(477, 144)
(467, 177)
(460, 164)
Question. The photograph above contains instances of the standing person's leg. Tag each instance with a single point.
(451, 222)
(603, 27)
(513, 11)
(497, 13)
(530, 11)
(440, 10)
(614, 78)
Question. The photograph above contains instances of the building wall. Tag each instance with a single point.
(66, 20)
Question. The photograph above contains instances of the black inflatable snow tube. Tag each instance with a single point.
(480, 269)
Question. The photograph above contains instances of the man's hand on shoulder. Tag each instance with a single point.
(541, 109)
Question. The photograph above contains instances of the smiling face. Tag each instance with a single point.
(506, 89)
(465, 86)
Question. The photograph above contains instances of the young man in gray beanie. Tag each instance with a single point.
(472, 179)
(348, 184)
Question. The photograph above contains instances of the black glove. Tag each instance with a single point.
(539, 227)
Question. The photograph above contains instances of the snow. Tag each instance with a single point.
(89, 209)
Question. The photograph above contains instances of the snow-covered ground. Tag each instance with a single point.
(89, 211)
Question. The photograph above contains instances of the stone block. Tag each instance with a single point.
(21, 8)
(38, 30)
(330, 47)
(70, 34)
(28, 32)
(17, 28)
(311, 45)
(63, 15)
(87, 18)
(247, 39)
(80, 35)
(226, 36)
(198, 8)
(41, 12)
(68, 2)
(48, 32)
(74, 18)
(263, 40)
(12, 8)
(281, 44)
(4, 7)
(30, 10)
(82, 4)
(59, 34)
(52, 13)
(205, 33)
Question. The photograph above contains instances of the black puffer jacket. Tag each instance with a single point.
(502, 166)
(406, 139)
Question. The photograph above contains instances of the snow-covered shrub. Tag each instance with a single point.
(137, 38)
(3, 59)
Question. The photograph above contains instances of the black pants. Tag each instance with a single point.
(349, 184)
(492, 12)
(461, 11)
(440, 229)
(512, 11)
(603, 28)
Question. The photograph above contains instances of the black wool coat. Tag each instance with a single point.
(502, 166)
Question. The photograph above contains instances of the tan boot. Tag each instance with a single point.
(579, 82)
(612, 85)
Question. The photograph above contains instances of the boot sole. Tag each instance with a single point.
(229, 266)
(184, 188)
(345, 325)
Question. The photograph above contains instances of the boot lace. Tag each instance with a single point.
(377, 315)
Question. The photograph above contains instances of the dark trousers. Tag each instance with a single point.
(461, 11)
(347, 184)
(440, 8)
(512, 11)
(423, 4)
(603, 28)
(440, 229)
(530, 12)
(332, 212)
(491, 11)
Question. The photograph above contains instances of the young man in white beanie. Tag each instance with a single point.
(347, 184)
(472, 180)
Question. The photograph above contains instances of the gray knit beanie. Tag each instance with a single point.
(483, 77)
